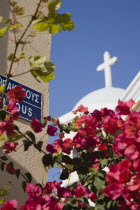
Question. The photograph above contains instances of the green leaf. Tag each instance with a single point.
(3, 157)
(3, 193)
(2, 137)
(109, 204)
(53, 29)
(31, 135)
(2, 115)
(99, 207)
(47, 160)
(15, 137)
(37, 61)
(26, 145)
(2, 88)
(98, 183)
(18, 10)
(29, 177)
(13, 3)
(2, 201)
(40, 68)
(1, 18)
(38, 146)
(104, 162)
(16, 59)
(11, 164)
(15, 26)
(41, 26)
(64, 175)
(65, 21)
(53, 6)
(66, 159)
(24, 185)
(8, 21)
(17, 173)
(2, 165)
(2, 31)
(10, 57)
(45, 25)
(54, 22)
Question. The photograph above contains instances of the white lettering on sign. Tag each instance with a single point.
(33, 96)
(2, 82)
(30, 112)
(10, 86)
(24, 109)
(29, 94)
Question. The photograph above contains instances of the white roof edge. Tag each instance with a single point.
(66, 118)
(133, 90)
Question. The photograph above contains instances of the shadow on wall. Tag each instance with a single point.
(4, 11)
(15, 191)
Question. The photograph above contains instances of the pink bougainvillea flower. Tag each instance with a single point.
(112, 124)
(9, 205)
(132, 151)
(55, 121)
(15, 116)
(10, 147)
(16, 94)
(10, 128)
(92, 196)
(131, 128)
(123, 108)
(33, 190)
(113, 191)
(63, 192)
(58, 144)
(49, 188)
(67, 145)
(50, 148)
(79, 142)
(10, 169)
(120, 172)
(51, 130)
(80, 191)
(60, 135)
(48, 118)
(3, 125)
(46, 202)
(136, 165)
(80, 108)
(134, 183)
(107, 112)
(59, 206)
(97, 114)
(102, 146)
(12, 107)
(119, 145)
(36, 125)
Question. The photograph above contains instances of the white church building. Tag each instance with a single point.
(104, 97)
(108, 96)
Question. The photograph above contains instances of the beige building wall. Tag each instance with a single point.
(41, 45)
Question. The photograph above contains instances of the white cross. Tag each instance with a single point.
(107, 69)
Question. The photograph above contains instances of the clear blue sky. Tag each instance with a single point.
(101, 25)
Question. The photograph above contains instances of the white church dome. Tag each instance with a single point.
(105, 97)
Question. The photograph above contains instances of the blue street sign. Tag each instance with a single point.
(31, 107)
(29, 112)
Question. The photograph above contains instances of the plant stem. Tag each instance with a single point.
(20, 74)
(13, 167)
(41, 149)
(17, 45)
(9, 38)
